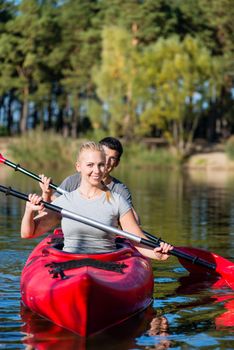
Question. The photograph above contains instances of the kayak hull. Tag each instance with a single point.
(87, 299)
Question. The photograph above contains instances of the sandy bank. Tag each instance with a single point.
(210, 161)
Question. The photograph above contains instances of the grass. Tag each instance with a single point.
(138, 156)
(42, 150)
(229, 148)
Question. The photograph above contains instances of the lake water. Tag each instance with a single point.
(193, 210)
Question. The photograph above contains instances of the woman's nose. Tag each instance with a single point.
(97, 169)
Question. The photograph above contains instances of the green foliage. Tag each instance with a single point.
(96, 135)
(229, 148)
(40, 150)
(116, 80)
(47, 151)
(219, 14)
(80, 45)
(137, 155)
(3, 131)
(181, 76)
(128, 67)
(95, 112)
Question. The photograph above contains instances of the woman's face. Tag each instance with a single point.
(91, 165)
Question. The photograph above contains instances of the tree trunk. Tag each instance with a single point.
(49, 122)
(75, 118)
(24, 111)
(59, 120)
(74, 124)
(129, 118)
(35, 117)
(9, 114)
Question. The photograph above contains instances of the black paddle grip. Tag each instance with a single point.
(10, 191)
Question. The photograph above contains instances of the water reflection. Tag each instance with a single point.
(211, 208)
(159, 328)
(226, 319)
(219, 294)
(40, 334)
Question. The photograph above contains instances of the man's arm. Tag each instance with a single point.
(123, 190)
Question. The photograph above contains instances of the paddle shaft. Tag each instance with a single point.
(179, 254)
(17, 167)
(99, 225)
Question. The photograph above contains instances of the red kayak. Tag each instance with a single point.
(86, 293)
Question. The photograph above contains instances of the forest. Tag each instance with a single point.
(133, 68)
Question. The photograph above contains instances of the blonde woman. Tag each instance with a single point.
(91, 199)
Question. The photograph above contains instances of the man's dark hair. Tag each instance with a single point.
(112, 143)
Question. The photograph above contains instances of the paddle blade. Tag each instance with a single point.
(224, 267)
(2, 159)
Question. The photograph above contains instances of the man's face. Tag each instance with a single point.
(112, 159)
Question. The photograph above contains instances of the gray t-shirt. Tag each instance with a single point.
(82, 238)
(72, 182)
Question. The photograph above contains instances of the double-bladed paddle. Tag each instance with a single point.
(195, 260)
(227, 272)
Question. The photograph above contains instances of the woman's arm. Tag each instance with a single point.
(36, 226)
(129, 224)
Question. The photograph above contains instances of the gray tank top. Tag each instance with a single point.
(82, 238)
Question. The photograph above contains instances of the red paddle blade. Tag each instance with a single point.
(224, 267)
(2, 159)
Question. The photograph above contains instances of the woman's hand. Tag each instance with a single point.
(161, 253)
(46, 190)
(34, 203)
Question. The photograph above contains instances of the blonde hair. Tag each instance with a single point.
(90, 146)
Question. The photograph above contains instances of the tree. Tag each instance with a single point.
(80, 46)
(219, 16)
(18, 54)
(116, 80)
(180, 77)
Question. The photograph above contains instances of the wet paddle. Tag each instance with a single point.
(220, 263)
(227, 273)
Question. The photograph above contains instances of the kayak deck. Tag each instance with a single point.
(93, 292)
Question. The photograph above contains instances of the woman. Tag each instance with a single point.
(92, 199)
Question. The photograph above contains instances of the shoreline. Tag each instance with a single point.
(214, 160)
